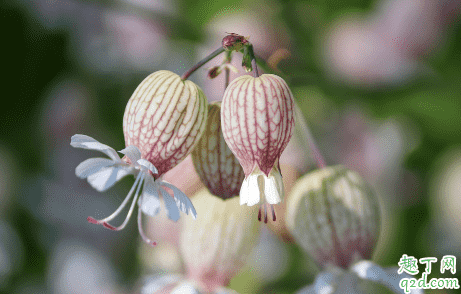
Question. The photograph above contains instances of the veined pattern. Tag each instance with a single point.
(257, 120)
(165, 118)
(215, 163)
(334, 215)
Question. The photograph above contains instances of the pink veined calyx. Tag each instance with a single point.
(257, 121)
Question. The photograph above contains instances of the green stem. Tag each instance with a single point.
(228, 60)
(215, 53)
(253, 61)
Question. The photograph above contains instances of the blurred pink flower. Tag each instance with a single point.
(383, 49)
(377, 150)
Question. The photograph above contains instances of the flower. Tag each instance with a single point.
(363, 274)
(215, 163)
(165, 117)
(257, 122)
(216, 246)
(175, 284)
(334, 215)
(103, 173)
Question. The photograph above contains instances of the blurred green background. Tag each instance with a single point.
(379, 83)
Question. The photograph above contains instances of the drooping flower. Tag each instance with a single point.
(257, 122)
(214, 162)
(334, 215)
(103, 173)
(165, 117)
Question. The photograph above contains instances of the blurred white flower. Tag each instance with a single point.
(11, 253)
(269, 260)
(176, 284)
(445, 198)
(361, 275)
(76, 268)
(216, 245)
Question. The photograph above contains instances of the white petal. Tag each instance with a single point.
(244, 192)
(182, 201)
(133, 153)
(271, 190)
(185, 288)
(307, 290)
(107, 177)
(157, 283)
(367, 270)
(86, 142)
(149, 200)
(147, 164)
(223, 290)
(173, 211)
(250, 192)
(255, 188)
(92, 165)
(326, 282)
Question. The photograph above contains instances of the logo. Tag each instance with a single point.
(409, 265)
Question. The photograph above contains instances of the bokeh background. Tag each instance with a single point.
(379, 83)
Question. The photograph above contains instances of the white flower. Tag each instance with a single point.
(176, 284)
(103, 173)
(257, 185)
(337, 280)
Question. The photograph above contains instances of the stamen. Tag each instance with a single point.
(136, 195)
(265, 213)
(273, 213)
(259, 213)
(119, 209)
(141, 231)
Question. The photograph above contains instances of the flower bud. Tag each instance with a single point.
(215, 163)
(233, 42)
(257, 122)
(334, 215)
(165, 118)
(214, 72)
(216, 245)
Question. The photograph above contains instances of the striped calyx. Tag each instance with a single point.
(334, 215)
(257, 121)
(214, 162)
(165, 118)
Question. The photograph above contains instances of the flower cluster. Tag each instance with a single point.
(235, 145)
(236, 148)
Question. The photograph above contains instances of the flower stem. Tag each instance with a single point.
(307, 136)
(227, 71)
(253, 61)
(215, 53)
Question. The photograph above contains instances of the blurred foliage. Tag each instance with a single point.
(34, 57)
